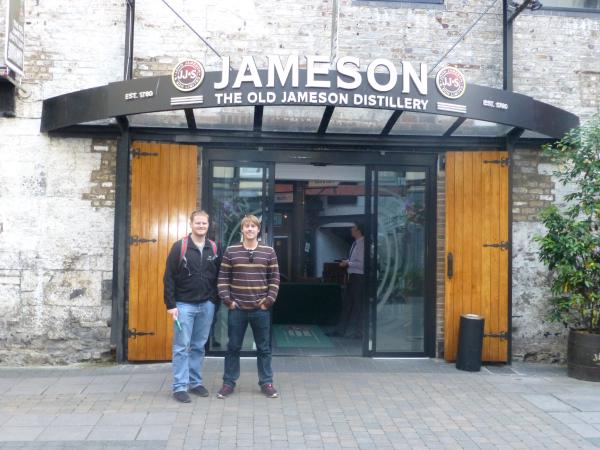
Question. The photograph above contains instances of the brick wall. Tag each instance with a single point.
(440, 278)
(535, 338)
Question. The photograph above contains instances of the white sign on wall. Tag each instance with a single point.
(15, 35)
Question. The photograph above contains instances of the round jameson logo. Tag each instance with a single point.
(188, 75)
(451, 82)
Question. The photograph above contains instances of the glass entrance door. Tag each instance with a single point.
(234, 190)
(399, 298)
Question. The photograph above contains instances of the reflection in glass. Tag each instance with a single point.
(411, 123)
(473, 127)
(296, 119)
(358, 120)
(400, 261)
(578, 4)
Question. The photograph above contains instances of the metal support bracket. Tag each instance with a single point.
(504, 245)
(503, 162)
(135, 153)
(136, 240)
(133, 333)
(503, 335)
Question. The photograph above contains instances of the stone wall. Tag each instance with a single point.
(57, 195)
(55, 249)
(534, 188)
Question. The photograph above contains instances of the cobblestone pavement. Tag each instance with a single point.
(325, 403)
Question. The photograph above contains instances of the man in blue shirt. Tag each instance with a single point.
(350, 324)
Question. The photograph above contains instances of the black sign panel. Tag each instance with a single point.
(159, 94)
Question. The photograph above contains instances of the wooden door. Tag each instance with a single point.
(163, 193)
(477, 242)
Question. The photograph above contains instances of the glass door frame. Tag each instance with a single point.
(385, 161)
(371, 214)
(268, 200)
(267, 204)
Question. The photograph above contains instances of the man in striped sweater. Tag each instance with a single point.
(248, 283)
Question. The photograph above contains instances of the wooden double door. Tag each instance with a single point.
(477, 249)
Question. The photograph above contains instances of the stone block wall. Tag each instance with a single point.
(535, 338)
(55, 249)
(56, 194)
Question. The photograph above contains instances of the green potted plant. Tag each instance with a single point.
(571, 247)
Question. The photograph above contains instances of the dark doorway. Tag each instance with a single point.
(314, 208)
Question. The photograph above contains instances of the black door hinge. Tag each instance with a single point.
(502, 162)
(135, 333)
(503, 335)
(503, 245)
(135, 153)
(136, 240)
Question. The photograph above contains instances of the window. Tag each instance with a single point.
(440, 2)
(581, 5)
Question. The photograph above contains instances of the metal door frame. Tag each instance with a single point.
(370, 344)
(384, 161)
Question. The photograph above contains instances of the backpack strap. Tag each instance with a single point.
(184, 246)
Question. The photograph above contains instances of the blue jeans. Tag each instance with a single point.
(237, 322)
(188, 343)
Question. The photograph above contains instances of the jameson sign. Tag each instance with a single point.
(311, 80)
(304, 81)
(15, 35)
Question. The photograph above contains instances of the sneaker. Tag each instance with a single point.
(269, 390)
(225, 391)
(182, 396)
(200, 391)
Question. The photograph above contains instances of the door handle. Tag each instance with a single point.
(450, 265)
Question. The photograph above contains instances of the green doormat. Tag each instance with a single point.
(309, 336)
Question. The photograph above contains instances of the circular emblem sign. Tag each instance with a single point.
(451, 82)
(188, 75)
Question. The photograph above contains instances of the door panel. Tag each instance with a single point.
(234, 190)
(477, 217)
(163, 193)
(399, 260)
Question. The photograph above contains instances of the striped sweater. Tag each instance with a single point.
(248, 283)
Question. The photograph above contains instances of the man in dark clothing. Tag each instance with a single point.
(190, 283)
(248, 285)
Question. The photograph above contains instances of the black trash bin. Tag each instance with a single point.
(470, 342)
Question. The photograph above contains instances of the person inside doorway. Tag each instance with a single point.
(190, 295)
(248, 284)
(350, 324)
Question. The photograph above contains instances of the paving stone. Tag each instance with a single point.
(76, 419)
(122, 419)
(587, 403)
(585, 430)
(113, 433)
(549, 403)
(22, 420)
(10, 433)
(62, 433)
(154, 433)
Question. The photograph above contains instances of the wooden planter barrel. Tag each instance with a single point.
(583, 356)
